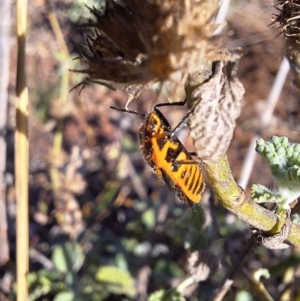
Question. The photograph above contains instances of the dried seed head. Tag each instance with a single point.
(133, 43)
(289, 22)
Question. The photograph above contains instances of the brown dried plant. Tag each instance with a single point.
(130, 44)
(217, 106)
(289, 22)
(67, 182)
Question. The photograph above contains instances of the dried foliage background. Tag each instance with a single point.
(124, 219)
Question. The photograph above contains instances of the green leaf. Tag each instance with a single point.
(243, 296)
(41, 287)
(117, 281)
(121, 261)
(68, 257)
(44, 282)
(166, 295)
(283, 159)
(107, 196)
(65, 296)
(261, 194)
(141, 249)
(148, 218)
(59, 259)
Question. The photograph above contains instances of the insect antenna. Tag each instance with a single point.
(127, 111)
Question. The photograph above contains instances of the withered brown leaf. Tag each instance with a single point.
(217, 104)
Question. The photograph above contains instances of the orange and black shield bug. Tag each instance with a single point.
(167, 156)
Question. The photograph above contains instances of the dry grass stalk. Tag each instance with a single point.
(22, 158)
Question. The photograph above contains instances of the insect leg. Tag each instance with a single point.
(169, 104)
(182, 122)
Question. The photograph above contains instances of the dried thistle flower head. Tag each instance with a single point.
(289, 22)
(130, 44)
